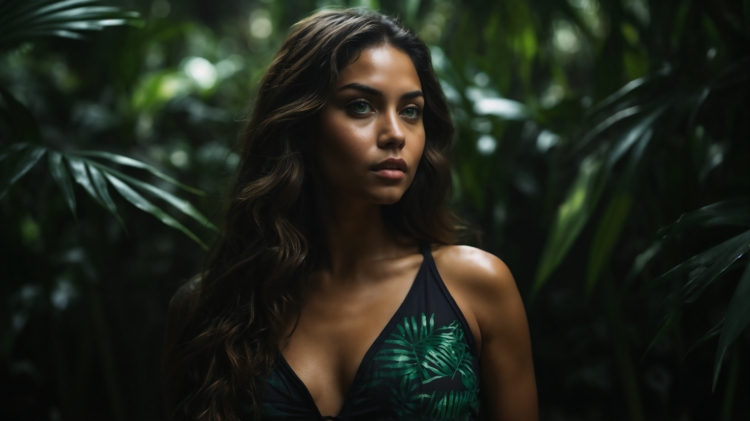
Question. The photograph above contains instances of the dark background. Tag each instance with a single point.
(586, 129)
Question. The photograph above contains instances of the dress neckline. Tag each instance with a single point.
(371, 351)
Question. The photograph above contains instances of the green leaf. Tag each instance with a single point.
(607, 234)
(736, 320)
(78, 168)
(642, 260)
(141, 203)
(669, 324)
(733, 212)
(704, 268)
(632, 135)
(18, 118)
(734, 74)
(571, 218)
(100, 184)
(412, 7)
(60, 174)
(629, 88)
(608, 123)
(11, 149)
(22, 20)
(123, 160)
(503, 108)
(28, 159)
(713, 332)
(182, 205)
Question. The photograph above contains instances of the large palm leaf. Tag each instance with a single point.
(95, 177)
(705, 268)
(22, 20)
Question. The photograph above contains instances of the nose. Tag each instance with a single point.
(391, 133)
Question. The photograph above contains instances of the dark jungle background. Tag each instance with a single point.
(603, 152)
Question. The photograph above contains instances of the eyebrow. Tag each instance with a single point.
(370, 90)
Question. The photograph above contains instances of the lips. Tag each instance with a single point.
(391, 169)
(391, 164)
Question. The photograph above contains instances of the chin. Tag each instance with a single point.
(388, 197)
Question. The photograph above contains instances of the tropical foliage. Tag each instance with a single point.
(417, 354)
(602, 152)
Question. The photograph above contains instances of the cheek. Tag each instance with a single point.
(342, 149)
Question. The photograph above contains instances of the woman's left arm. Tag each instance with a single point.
(507, 369)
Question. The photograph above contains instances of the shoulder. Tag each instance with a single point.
(473, 269)
(483, 288)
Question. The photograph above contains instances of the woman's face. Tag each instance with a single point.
(371, 129)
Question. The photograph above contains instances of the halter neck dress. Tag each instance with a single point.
(422, 366)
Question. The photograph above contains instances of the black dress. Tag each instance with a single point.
(422, 366)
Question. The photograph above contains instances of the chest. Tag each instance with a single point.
(336, 329)
(400, 351)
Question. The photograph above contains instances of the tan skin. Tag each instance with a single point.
(374, 113)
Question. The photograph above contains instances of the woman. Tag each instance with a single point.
(333, 291)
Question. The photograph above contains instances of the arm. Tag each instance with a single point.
(487, 295)
(507, 369)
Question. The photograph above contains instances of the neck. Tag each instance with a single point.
(357, 236)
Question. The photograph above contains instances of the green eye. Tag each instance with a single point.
(411, 112)
(359, 107)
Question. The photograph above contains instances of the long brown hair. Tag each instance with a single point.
(271, 238)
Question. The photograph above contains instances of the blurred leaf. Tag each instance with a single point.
(629, 88)
(60, 174)
(607, 124)
(123, 160)
(18, 118)
(11, 149)
(642, 260)
(78, 168)
(632, 135)
(734, 74)
(182, 205)
(736, 320)
(571, 218)
(669, 324)
(607, 234)
(100, 184)
(733, 212)
(28, 159)
(503, 108)
(706, 267)
(23, 20)
(713, 332)
(412, 7)
(141, 203)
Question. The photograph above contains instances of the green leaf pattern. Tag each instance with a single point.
(418, 353)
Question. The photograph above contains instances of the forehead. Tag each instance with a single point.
(382, 67)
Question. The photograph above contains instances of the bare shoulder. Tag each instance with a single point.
(473, 268)
(484, 290)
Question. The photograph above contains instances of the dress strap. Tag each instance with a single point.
(438, 282)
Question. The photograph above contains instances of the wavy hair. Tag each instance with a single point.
(270, 241)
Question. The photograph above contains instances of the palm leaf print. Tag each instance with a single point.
(451, 406)
(417, 353)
